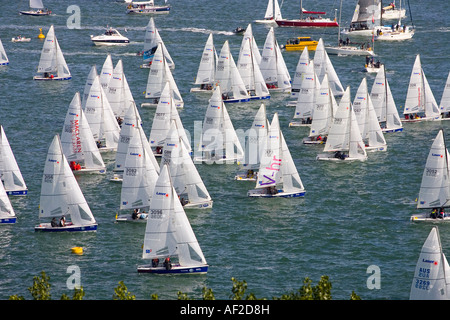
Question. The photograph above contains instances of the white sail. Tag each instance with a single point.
(273, 10)
(60, 192)
(36, 4)
(10, 174)
(292, 182)
(207, 67)
(273, 66)
(300, 70)
(324, 109)
(185, 177)
(435, 188)
(87, 86)
(256, 139)
(384, 104)
(431, 276)
(431, 106)
(218, 141)
(139, 175)
(100, 116)
(168, 231)
(323, 65)
(118, 92)
(444, 105)
(3, 57)
(151, 41)
(166, 111)
(77, 140)
(304, 106)
(106, 72)
(6, 209)
(248, 36)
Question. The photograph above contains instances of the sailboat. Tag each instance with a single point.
(164, 114)
(384, 104)
(277, 175)
(312, 21)
(101, 119)
(7, 214)
(250, 72)
(36, 9)
(256, 138)
(273, 67)
(169, 240)
(219, 142)
(367, 119)
(158, 76)
(106, 72)
(344, 141)
(52, 65)
(392, 12)
(3, 57)
(78, 141)
(151, 40)
(420, 104)
(10, 174)
(323, 65)
(398, 32)
(61, 195)
(434, 194)
(366, 20)
(87, 86)
(139, 179)
(325, 107)
(228, 77)
(186, 180)
(306, 98)
(430, 280)
(272, 14)
(299, 75)
(444, 105)
(206, 73)
(118, 92)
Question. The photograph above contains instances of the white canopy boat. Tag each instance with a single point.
(367, 119)
(219, 142)
(36, 9)
(139, 179)
(10, 174)
(169, 241)
(431, 280)
(228, 77)
(165, 113)
(206, 73)
(3, 57)
(273, 67)
(256, 139)
(186, 180)
(118, 92)
(273, 12)
(78, 141)
(52, 65)
(61, 196)
(344, 141)
(151, 40)
(434, 194)
(384, 104)
(420, 104)
(277, 176)
(7, 214)
(444, 105)
(323, 65)
(111, 37)
(159, 74)
(147, 7)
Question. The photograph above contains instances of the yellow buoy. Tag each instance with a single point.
(77, 250)
(41, 35)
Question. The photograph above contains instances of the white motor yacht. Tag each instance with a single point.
(111, 37)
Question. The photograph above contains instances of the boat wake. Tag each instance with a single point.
(199, 30)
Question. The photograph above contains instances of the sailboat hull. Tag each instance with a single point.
(307, 23)
(198, 205)
(17, 193)
(385, 130)
(331, 157)
(49, 79)
(46, 227)
(174, 270)
(260, 193)
(128, 218)
(8, 220)
(425, 217)
(35, 13)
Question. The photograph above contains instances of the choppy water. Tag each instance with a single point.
(353, 215)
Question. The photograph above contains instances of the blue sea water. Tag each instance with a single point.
(353, 216)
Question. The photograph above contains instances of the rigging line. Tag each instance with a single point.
(410, 14)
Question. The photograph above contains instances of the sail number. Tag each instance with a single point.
(423, 284)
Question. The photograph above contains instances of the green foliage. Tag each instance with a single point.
(40, 290)
(354, 296)
(121, 293)
(208, 294)
(238, 290)
(307, 292)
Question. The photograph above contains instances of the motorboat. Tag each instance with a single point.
(300, 43)
(20, 39)
(111, 37)
(147, 7)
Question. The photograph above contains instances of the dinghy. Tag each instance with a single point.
(272, 14)
(430, 280)
(36, 9)
(52, 65)
(159, 74)
(206, 73)
(169, 241)
(7, 214)
(273, 67)
(61, 196)
(151, 40)
(3, 57)
(78, 141)
(186, 180)
(256, 138)
(444, 105)
(384, 104)
(420, 104)
(118, 92)
(228, 77)
(277, 176)
(434, 191)
(218, 142)
(323, 65)
(344, 141)
(139, 178)
(166, 111)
